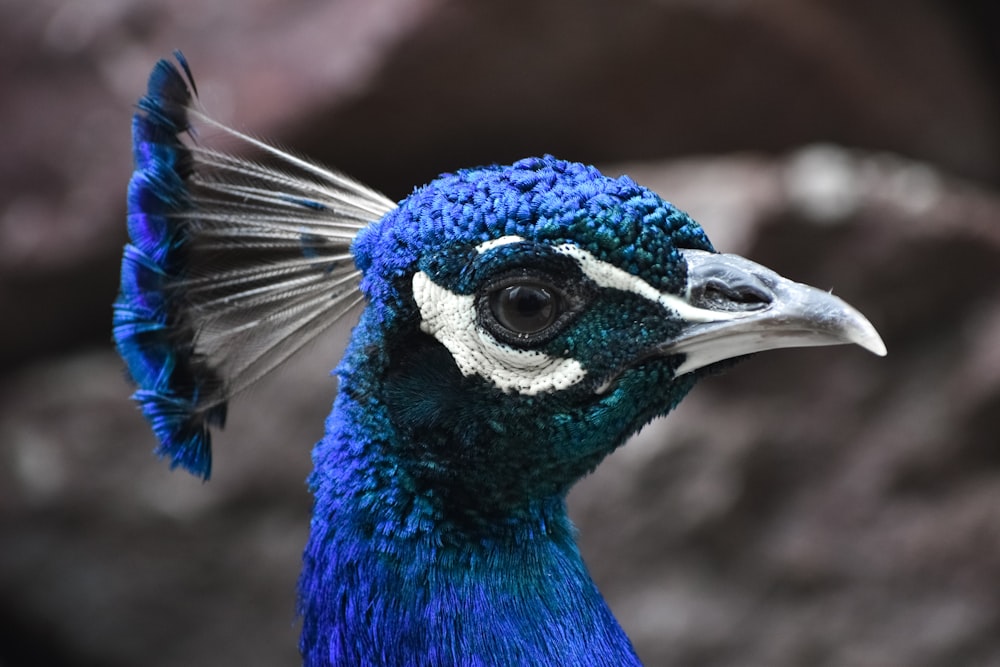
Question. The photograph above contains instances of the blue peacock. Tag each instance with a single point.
(517, 324)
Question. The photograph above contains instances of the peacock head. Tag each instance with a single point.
(521, 322)
(529, 318)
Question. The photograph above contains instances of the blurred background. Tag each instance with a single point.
(812, 507)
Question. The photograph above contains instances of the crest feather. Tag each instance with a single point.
(233, 265)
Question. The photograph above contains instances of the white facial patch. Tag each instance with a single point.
(451, 319)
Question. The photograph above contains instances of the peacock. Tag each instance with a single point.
(516, 324)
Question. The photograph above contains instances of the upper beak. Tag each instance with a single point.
(743, 307)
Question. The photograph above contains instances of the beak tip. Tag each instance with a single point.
(875, 346)
(863, 333)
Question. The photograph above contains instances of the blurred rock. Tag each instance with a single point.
(110, 559)
(598, 81)
(396, 91)
(811, 507)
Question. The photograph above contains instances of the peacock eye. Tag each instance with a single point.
(525, 309)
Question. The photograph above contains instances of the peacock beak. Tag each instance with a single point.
(743, 307)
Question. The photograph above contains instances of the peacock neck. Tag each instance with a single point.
(392, 577)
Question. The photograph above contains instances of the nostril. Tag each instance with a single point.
(716, 294)
(742, 292)
(729, 283)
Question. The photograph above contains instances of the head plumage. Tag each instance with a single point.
(543, 199)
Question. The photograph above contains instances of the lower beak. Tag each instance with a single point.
(743, 307)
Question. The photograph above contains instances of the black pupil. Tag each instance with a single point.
(524, 309)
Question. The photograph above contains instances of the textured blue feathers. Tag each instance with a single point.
(149, 329)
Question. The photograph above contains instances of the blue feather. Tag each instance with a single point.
(151, 334)
(231, 266)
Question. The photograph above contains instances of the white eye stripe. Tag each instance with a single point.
(497, 243)
(612, 277)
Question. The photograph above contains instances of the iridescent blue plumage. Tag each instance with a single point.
(521, 322)
(149, 328)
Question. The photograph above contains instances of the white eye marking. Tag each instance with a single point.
(496, 243)
(610, 276)
(451, 319)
